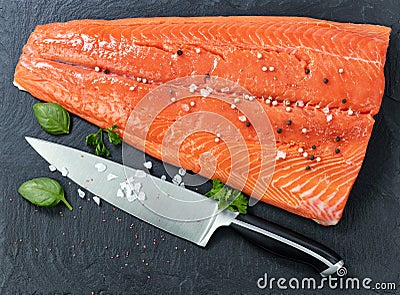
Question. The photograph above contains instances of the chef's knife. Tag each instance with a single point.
(190, 215)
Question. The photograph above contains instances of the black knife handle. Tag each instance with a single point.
(287, 243)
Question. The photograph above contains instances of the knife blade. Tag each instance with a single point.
(177, 210)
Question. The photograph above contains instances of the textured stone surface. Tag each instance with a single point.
(48, 251)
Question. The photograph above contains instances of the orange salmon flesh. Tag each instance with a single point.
(319, 82)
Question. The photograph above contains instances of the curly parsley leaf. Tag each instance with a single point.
(96, 140)
(227, 197)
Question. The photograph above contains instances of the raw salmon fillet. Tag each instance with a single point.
(319, 82)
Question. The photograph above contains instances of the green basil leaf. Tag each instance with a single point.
(52, 117)
(43, 191)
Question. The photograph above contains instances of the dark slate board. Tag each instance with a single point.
(54, 251)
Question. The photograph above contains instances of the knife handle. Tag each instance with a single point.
(287, 243)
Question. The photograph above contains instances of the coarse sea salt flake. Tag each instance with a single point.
(140, 173)
(204, 92)
(326, 110)
(225, 89)
(100, 167)
(329, 118)
(242, 118)
(111, 176)
(52, 168)
(163, 177)
(131, 198)
(120, 193)
(96, 200)
(81, 193)
(177, 179)
(148, 165)
(280, 155)
(192, 87)
(141, 196)
(185, 107)
(182, 171)
(137, 186)
(128, 191)
(64, 171)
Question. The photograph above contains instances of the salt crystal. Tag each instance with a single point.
(141, 196)
(242, 118)
(64, 171)
(204, 92)
(185, 107)
(96, 200)
(137, 186)
(350, 112)
(182, 184)
(280, 155)
(177, 179)
(197, 50)
(128, 191)
(192, 88)
(326, 110)
(100, 167)
(148, 165)
(81, 193)
(123, 185)
(329, 118)
(52, 168)
(182, 171)
(111, 176)
(120, 193)
(131, 198)
(140, 173)
(300, 103)
(163, 177)
(225, 89)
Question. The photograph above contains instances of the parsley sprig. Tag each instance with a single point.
(96, 140)
(227, 197)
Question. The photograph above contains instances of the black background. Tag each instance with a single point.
(54, 251)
